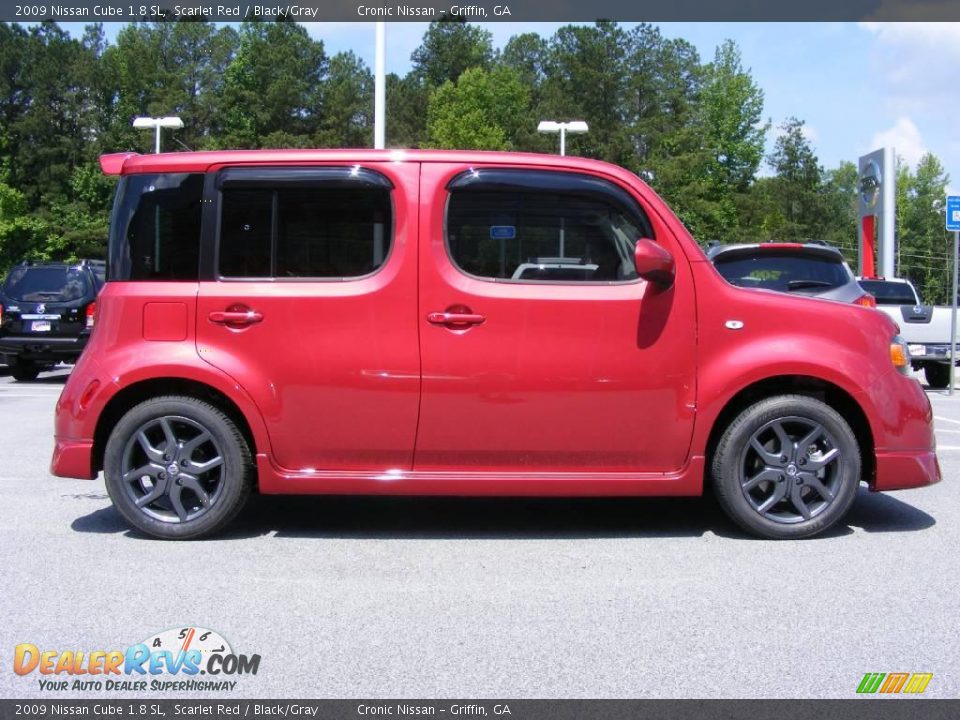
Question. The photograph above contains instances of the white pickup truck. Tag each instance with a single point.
(925, 328)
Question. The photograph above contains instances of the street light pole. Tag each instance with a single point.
(380, 89)
(152, 123)
(552, 126)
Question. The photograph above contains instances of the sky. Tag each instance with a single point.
(858, 86)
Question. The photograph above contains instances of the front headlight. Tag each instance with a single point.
(900, 354)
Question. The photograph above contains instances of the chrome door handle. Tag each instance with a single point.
(455, 318)
(235, 317)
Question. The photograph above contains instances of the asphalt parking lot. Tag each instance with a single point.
(381, 597)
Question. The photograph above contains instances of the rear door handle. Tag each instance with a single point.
(235, 317)
(454, 318)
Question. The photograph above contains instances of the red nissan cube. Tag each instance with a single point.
(462, 323)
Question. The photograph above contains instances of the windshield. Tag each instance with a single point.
(889, 293)
(46, 284)
(785, 272)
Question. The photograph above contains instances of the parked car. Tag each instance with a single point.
(814, 268)
(46, 313)
(353, 322)
(925, 328)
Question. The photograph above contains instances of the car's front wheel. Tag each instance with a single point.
(177, 468)
(787, 467)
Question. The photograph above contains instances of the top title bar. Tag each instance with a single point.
(30, 11)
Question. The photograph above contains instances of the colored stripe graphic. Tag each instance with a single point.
(894, 683)
(918, 683)
(871, 682)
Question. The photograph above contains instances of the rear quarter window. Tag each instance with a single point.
(155, 231)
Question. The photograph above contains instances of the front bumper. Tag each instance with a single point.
(901, 419)
(904, 470)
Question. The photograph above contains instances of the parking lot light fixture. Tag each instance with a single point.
(170, 122)
(577, 127)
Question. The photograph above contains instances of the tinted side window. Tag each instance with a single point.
(511, 229)
(155, 232)
(306, 232)
(246, 218)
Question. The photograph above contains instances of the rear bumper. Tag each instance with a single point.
(73, 459)
(935, 352)
(906, 469)
(32, 347)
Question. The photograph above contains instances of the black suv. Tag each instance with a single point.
(46, 314)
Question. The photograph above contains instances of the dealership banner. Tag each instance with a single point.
(477, 10)
(45, 708)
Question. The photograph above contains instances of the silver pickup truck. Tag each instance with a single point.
(925, 328)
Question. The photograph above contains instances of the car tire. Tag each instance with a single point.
(178, 468)
(787, 467)
(937, 375)
(24, 370)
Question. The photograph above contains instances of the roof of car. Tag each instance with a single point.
(814, 248)
(130, 163)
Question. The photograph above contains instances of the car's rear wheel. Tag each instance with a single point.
(24, 370)
(787, 467)
(937, 374)
(178, 468)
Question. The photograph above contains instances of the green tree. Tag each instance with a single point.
(479, 112)
(797, 183)
(48, 109)
(925, 247)
(586, 80)
(840, 191)
(347, 102)
(732, 110)
(272, 90)
(449, 48)
(22, 236)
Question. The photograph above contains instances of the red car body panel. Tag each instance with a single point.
(346, 387)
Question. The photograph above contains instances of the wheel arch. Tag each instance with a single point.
(833, 395)
(132, 395)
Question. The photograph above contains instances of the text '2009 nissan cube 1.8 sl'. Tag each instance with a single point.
(462, 323)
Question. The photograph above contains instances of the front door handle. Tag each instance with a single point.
(235, 318)
(455, 318)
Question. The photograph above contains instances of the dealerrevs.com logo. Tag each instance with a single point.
(177, 660)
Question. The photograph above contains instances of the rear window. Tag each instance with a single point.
(889, 293)
(46, 284)
(786, 272)
(155, 233)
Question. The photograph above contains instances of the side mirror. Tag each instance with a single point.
(654, 263)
